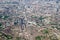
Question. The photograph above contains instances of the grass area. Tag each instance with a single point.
(18, 38)
(38, 38)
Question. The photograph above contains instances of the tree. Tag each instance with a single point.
(45, 31)
(34, 16)
(5, 17)
(1, 26)
(41, 18)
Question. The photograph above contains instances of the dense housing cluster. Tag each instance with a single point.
(29, 19)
